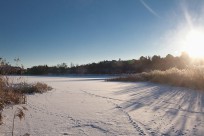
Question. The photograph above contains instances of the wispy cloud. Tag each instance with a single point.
(149, 9)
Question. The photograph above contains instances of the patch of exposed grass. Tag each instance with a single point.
(191, 78)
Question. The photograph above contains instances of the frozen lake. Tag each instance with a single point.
(93, 107)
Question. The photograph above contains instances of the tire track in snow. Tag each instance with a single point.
(112, 98)
(75, 122)
(141, 130)
(45, 111)
(92, 126)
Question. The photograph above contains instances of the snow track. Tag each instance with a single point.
(132, 122)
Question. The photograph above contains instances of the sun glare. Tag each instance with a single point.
(194, 43)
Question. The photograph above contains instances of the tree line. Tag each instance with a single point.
(143, 64)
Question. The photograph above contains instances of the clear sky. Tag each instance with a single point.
(85, 31)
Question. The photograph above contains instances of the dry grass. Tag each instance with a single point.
(191, 77)
(11, 93)
(20, 114)
(26, 88)
(8, 96)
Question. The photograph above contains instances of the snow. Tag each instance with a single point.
(94, 107)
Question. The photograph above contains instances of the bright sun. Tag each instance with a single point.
(194, 43)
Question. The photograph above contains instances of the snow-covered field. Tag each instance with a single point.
(91, 106)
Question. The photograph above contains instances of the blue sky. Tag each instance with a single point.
(85, 31)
